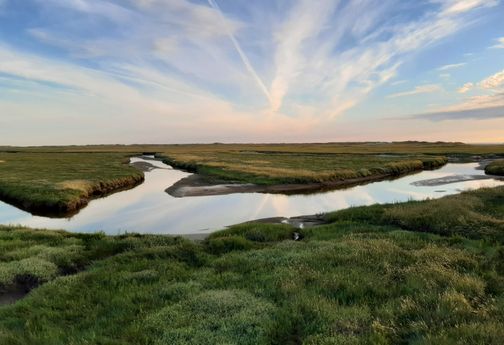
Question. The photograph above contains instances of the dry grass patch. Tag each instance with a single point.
(81, 185)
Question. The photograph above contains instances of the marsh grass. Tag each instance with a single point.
(495, 168)
(372, 275)
(476, 214)
(296, 167)
(57, 181)
(60, 183)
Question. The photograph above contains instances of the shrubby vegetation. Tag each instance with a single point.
(372, 275)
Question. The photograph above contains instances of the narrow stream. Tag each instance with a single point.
(148, 209)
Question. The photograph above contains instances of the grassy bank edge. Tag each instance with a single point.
(217, 175)
(67, 200)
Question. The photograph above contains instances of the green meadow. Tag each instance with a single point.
(429, 272)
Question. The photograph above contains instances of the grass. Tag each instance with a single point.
(407, 147)
(372, 275)
(315, 163)
(59, 180)
(495, 168)
(60, 183)
(275, 168)
(477, 214)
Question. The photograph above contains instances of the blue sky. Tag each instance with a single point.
(168, 71)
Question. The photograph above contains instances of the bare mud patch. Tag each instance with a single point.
(146, 166)
(197, 185)
(450, 179)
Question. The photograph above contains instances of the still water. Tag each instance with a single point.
(148, 209)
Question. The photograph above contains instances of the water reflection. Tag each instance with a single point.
(148, 209)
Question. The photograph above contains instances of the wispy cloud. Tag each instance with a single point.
(451, 66)
(465, 88)
(493, 81)
(305, 22)
(500, 43)
(461, 6)
(475, 107)
(258, 67)
(240, 51)
(315, 63)
(417, 90)
(469, 114)
(398, 82)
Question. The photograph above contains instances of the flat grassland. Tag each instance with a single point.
(428, 272)
(268, 164)
(57, 183)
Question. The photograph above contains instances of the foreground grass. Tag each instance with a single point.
(373, 275)
(495, 168)
(59, 183)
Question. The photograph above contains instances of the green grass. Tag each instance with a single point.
(477, 214)
(495, 168)
(372, 275)
(60, 183)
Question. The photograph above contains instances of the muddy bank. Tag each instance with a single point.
(299, 222)
(146, 166)
(482, 165)
(452, 179)
(197, 185)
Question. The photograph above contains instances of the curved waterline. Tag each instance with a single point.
(148, 209)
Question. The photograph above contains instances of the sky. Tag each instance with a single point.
(197, 71)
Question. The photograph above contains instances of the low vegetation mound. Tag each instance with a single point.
(61, 183)
(495, 168)
(372, 275)
(292, 168)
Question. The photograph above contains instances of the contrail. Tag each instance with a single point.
(243, 57)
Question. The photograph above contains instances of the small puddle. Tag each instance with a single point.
(11, 297)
